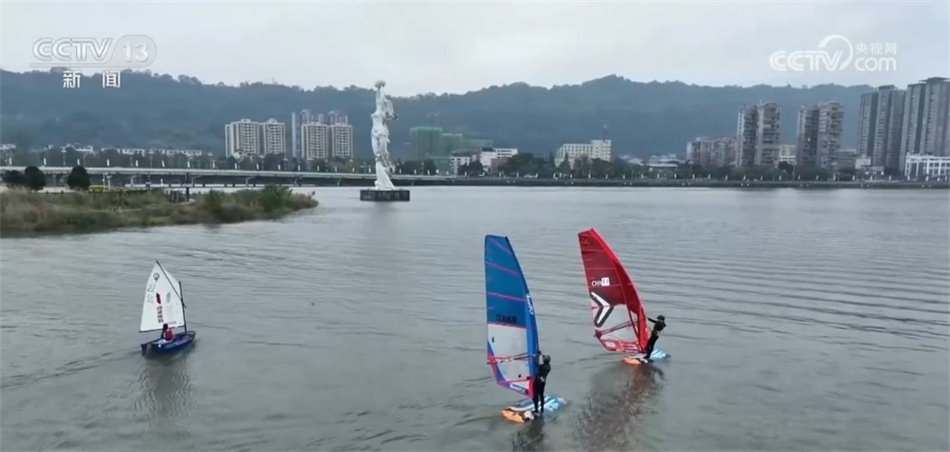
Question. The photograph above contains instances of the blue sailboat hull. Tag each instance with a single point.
(178, 342)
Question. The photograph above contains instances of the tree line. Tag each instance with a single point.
(33, 178)
(520, 165)
(68, 156)
(163, 111)
(529, 165)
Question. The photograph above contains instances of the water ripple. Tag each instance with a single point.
(798, 321)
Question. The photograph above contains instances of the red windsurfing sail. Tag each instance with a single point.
(619, 322)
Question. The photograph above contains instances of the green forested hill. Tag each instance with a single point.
(152, 110)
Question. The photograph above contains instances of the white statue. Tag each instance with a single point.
(380, 133)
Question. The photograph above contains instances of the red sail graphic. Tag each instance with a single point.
(619, 322)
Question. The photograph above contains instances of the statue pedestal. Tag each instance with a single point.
(372, 194)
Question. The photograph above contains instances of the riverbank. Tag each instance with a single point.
(25, 213)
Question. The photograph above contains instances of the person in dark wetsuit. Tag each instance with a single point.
(658, 326)
(540, 379)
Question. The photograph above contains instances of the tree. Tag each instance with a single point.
(34, 178)
(787, 167)
(428, 167)
(78, 178)
(475, 168)
(564, 167)
(272, 161)
(13, 179)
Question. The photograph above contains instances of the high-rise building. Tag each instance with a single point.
(294, 147)
(242, 138)
(746, 131)
(307, 117)
(926, 122)
(819, 136)
(315, 141)
(758, 131)
(273, 137)
(297, 120)
(768, 134)
(325, 136)
(341, 144)
(335, 117)
(879, 127)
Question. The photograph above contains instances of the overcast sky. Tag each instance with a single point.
(454, 47)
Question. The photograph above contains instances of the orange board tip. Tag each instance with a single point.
(512, 416)
(632, 360)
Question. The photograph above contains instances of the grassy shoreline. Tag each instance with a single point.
(29, 213)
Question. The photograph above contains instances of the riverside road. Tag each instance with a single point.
(203, 177)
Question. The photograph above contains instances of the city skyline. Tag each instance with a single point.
(892, 128)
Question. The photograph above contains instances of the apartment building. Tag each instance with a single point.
(819, 136)
(926, 118)
(880, 119)
(758, 132)
(341, 135)
(315, 141)
(768, 134)
(242, 138)
(273, 137)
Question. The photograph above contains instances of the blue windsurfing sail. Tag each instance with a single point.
(512, 328)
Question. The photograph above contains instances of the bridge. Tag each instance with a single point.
(224, 173)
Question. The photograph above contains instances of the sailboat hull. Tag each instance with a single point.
(522, 411)
(178, 342)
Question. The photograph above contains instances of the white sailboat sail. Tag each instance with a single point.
(163, 303)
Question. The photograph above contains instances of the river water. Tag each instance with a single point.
(798, 320)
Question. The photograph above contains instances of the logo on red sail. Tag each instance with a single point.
(602, 282)
(604, 308)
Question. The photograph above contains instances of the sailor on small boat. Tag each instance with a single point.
(658, 325)
(540, 379)
(166, 333)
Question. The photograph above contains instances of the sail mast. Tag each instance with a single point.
(181, 294)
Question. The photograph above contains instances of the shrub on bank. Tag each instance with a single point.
(28, 212)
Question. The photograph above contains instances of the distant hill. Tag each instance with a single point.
(152, 110)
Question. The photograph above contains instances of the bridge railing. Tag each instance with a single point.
(221, 172)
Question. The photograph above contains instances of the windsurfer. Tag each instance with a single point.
(658, 325)
(540, 379)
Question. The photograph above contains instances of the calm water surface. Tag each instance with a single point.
(798, 320)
